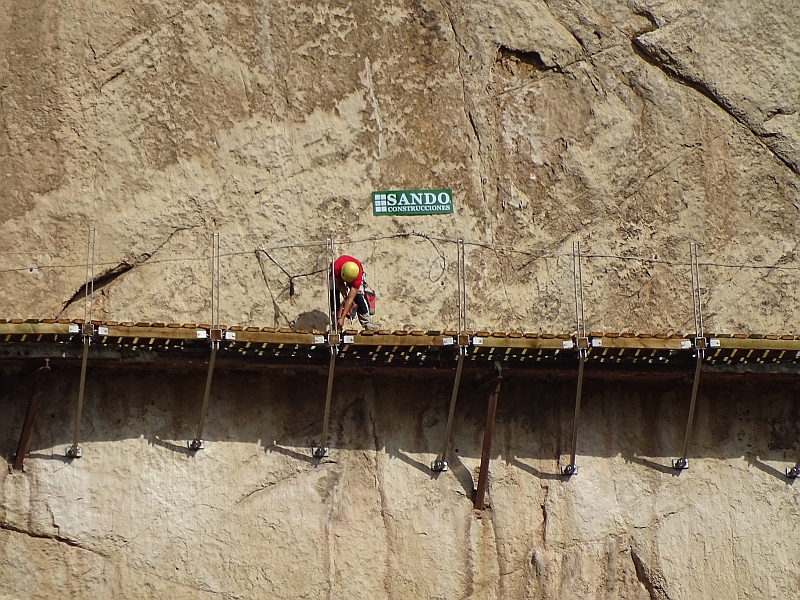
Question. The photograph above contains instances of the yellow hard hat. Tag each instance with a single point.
(349, 271)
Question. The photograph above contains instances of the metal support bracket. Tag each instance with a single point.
(572, 468)
(215, 336)
(322, 450)
(75, 451)
(439, 464)
(683, 462)
(87, 331)
(197, 443)
(582, 344)
(700, 344)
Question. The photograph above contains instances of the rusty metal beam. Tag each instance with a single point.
(27, 427)
(488, 435)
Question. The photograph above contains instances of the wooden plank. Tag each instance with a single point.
(638, 343)
(158, 333)
(757, 344)
(265, 337)
(398, 340)
(542, 343)
(34, 328)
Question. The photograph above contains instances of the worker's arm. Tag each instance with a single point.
(348, 305)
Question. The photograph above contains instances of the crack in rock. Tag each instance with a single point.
(663, 61)
(653, 582)
(57, 538)
(108, 276)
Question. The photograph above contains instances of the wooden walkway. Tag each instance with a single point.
(418, 348)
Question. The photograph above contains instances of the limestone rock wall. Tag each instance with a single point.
(253, 516)
(634, 127)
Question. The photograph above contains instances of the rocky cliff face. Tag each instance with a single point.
(253, 516)
(634, 127)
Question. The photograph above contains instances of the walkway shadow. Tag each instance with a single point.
(534, 471)
(454, 465)
(58, 457)
(296, 455)
(666, 469)
(769, 470)
(416, 464)
(156, 441)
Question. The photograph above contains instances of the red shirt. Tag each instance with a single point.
(337, 270)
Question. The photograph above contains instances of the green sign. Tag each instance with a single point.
(412, 202)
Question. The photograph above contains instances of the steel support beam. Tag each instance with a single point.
(488, 435)
(572, 468)
(683, 462)
(75, 451)
(27, 427)
(440, 464)
(322, 450)
(197, 442)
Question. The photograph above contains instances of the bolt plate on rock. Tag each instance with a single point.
(318, 452)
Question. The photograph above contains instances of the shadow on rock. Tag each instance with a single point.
(313, 319)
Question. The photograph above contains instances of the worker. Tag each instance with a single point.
(348, 280)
